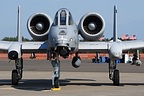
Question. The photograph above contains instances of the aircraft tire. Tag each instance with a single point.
(15, 77)
(116, 77)
(56, 82)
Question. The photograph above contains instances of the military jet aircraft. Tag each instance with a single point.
(59, 38)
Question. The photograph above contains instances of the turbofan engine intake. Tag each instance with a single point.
(38, 26)
(91, 26)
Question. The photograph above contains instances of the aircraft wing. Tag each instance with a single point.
(93, 46)
(26, 46)
(83, 46)
(34, 46)
(130, 45)
(105, 46)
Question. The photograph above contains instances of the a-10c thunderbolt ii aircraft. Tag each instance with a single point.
(59, 38)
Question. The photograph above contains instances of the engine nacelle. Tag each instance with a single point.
(14, 51)
(115, 51)
(38, 26)
(91, 26)
(76, 62)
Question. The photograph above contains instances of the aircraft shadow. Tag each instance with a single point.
(95, 83)
(45, 84)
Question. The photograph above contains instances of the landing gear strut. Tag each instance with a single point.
(136, 59)
(56, 72)
(113, 72)
(17, 73)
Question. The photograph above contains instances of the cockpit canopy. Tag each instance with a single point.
(63, 17)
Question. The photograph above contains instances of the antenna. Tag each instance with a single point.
(115, 24)
(18, 26)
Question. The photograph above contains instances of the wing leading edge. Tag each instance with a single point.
(27, 47)
(105, 46)
(83, 46)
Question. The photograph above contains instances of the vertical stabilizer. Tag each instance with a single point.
(18, 26)
(115, 24)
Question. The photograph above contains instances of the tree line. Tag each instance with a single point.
(15, 39)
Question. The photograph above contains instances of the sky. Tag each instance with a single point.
(130, 14)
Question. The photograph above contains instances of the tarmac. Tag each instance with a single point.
(91, 79)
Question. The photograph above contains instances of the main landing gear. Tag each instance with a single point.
(56, 72)
(17, 73)
(113, 72)
(136, 59)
